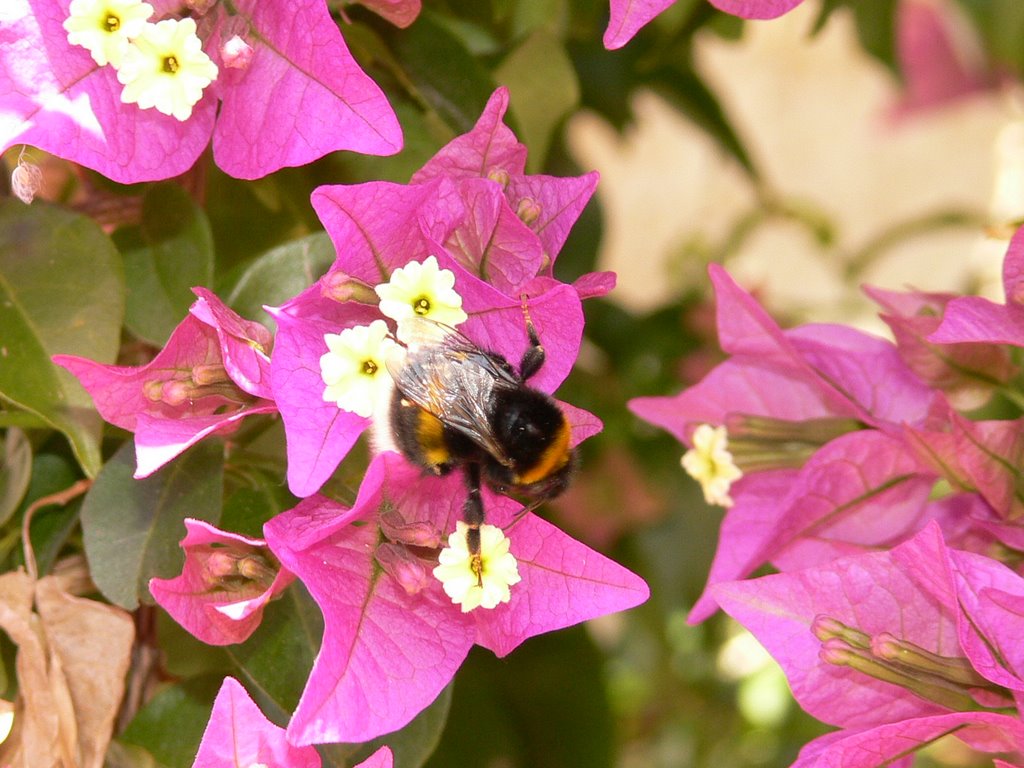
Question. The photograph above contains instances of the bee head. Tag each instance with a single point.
(534, 434)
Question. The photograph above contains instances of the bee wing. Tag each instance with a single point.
(451, 378)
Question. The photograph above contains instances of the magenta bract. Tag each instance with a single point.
(391, 642)
(300, 96)
(225, 584)
(213, 372)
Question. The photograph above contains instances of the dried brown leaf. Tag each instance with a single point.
(73, 656)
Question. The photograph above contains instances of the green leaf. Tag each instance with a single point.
(61, 292)
(446, 76)
(15, 472)
(876, 29)
(167, 254)
(171, 724)
(50, 530)
(248, 508)
(544, 706)
(279, 274)
(184, 656)
(50, 474)
(544, 90)
(132, 527)
(291, 629)
(531, 15)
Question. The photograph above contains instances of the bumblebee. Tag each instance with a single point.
(456, 406)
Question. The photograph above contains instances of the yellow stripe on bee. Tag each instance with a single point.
(554, 457)
(430, 438)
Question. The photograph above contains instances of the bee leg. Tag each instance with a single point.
(523, 512)
(533, 357)
(473, 509)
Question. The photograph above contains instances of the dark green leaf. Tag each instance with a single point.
(164, 257)
(876, 28)
(183, 655)
(15, 472)
(279, 274)
(132, 527)
(61, 291)
(248, 217)
(444, 73)
(544, 90)
(544, 706)
(50, 474)
(50, 529)
(247, 509)
(171, 724)
(291, 629)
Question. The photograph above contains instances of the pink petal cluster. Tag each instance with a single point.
(474, 208)
(806, 510)
(629, 16)
(239, 734)
(296, 95)
(213, 372)
(887, 511)
(963, 608)
(392, 638)
(225, 584)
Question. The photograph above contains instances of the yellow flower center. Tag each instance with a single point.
(421, 306)
(369, 367)
(170, 64)
(112, 23)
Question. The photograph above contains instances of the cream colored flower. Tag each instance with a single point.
(104, 27)
(477, 581)
(165, 67)
(354, 369)
(421, 290)
(710, 463)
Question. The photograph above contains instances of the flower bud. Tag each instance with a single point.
(176, 392)
(26, 181)
(500, 176)
(236, 53)
(404, 567)
(209, 373)
(153, 390)
(826, 628)
(528, 210)
(342, 287)
(418, 534)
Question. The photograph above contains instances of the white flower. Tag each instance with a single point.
(421, 290)
(477, 580)
(165, 67)
(104, 27)
(710, 463)
(354, 369)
